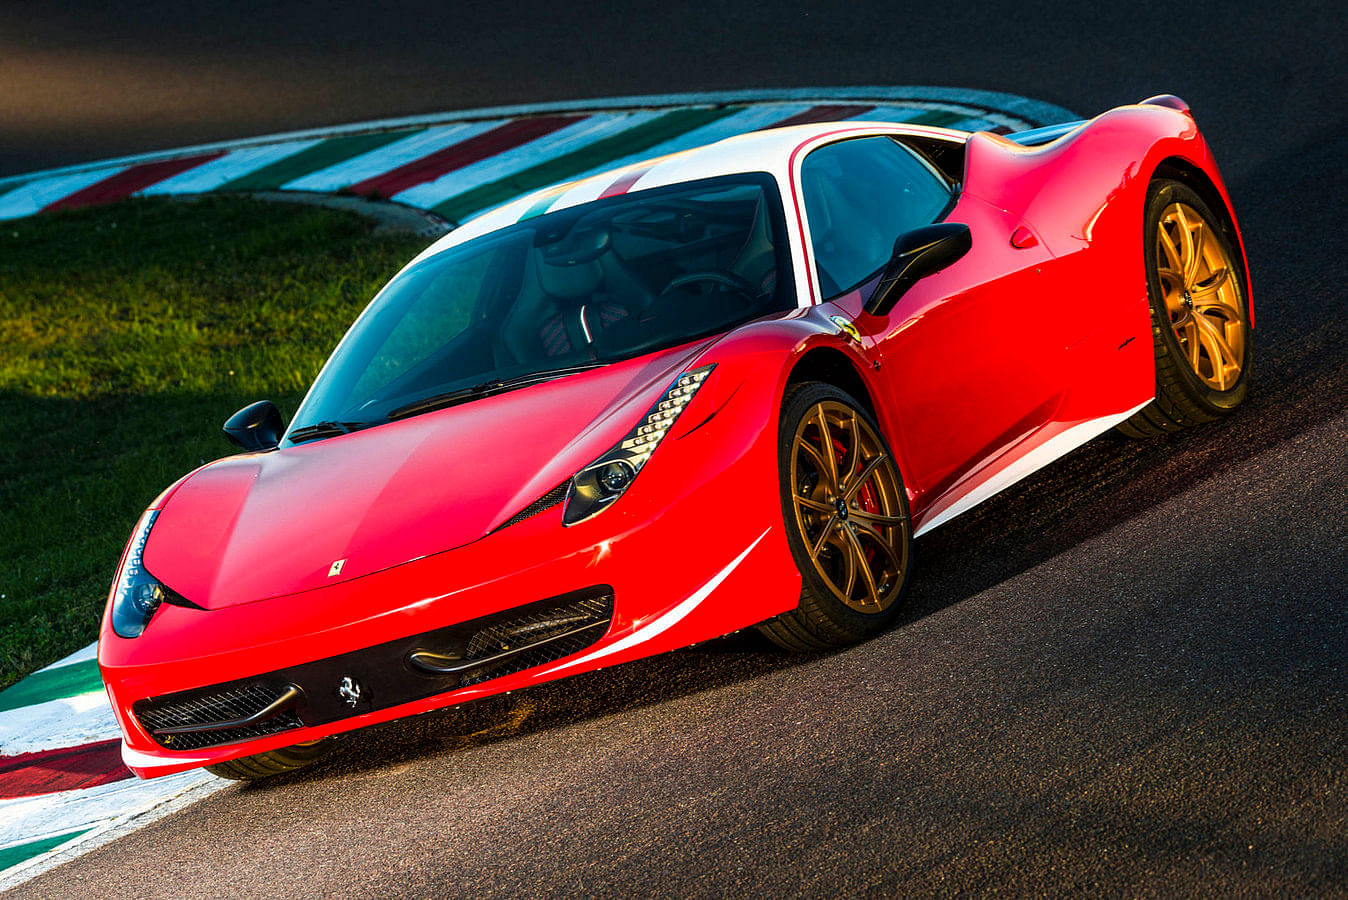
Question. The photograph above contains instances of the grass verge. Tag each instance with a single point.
(128, 334)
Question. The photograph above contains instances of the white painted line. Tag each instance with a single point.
(211, 175)
(67, 722)
(35, 195)
(389, 157)
(564, 140)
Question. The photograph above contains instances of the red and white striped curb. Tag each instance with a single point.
(63, 787)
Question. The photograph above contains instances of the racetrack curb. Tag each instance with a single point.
(457, 164)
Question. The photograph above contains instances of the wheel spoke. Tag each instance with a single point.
(1172, 253)
(884, 546)
(874, 520)
(816, 505)
(1210, 284)
(818, 458)
(1191, 343)
(851, 573)
(851, 450)
(826, 447)
(1219, 351)
(823, 537)
(851, 489)
(860, 553)
(1195, 259)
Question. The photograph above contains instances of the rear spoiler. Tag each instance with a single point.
(1037, 136)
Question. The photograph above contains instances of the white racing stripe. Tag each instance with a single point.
(503, 165)
(1054, 448)
(235, 164)
(671, 617)
(389, 157)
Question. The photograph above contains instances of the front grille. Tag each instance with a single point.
(202, 708)
(547, 501)
(519, 633)
(384, 675)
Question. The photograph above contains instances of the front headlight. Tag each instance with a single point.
(608, 477)
(136, 594)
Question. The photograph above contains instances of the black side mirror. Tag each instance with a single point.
(917, 254)
(257, 426)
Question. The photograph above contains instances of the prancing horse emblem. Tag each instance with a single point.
(336, 567)
(349, 690)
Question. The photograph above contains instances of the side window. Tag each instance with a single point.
(860, 195)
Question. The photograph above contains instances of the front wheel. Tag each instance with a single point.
(847, 521)
(274, 762)
(1200, 313)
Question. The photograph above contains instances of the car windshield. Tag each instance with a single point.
(592, 284)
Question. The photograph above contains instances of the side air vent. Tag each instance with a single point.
(547, 501)
(520, 639)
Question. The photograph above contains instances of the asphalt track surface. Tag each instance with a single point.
(1127, 675)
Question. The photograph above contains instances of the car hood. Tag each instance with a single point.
(262, 525)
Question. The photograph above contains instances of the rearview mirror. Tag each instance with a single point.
(257, 426)
(917, 254)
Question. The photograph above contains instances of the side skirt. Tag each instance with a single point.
(963, 498)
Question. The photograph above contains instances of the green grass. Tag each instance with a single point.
(128, 334)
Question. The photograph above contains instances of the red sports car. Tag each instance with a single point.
(721, 389)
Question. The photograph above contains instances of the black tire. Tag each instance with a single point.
(273, 762)
(822, 620)
(1183, 397)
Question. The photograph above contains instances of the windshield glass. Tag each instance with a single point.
(596, 283)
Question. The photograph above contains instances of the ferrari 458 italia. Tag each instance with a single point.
(717, 390)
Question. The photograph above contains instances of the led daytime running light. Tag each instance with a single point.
(608, 477)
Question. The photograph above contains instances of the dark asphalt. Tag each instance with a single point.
(1128, 675)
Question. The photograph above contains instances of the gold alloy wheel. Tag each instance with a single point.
(1201, 296)
(848, 503)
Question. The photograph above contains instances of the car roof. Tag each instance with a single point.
(769, 150)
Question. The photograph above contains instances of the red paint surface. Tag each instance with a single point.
(128, 181)
(498, 140)
(975, 369)
(69, 768)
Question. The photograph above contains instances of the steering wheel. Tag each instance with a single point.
(726, 279)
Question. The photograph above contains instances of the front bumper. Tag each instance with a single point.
(678, 572)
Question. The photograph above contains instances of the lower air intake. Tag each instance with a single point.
(521, 642)
(178, 713)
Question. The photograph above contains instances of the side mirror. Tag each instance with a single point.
(917, 254)
(257, 426)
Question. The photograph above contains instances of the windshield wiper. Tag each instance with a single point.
(324, 429)
(485, 389)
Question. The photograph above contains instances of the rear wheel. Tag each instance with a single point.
(846, 518)
(273, 762)
(1200, 313)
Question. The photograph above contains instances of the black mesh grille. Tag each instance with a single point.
(547, 501)
(214, 706)
(519, 632)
